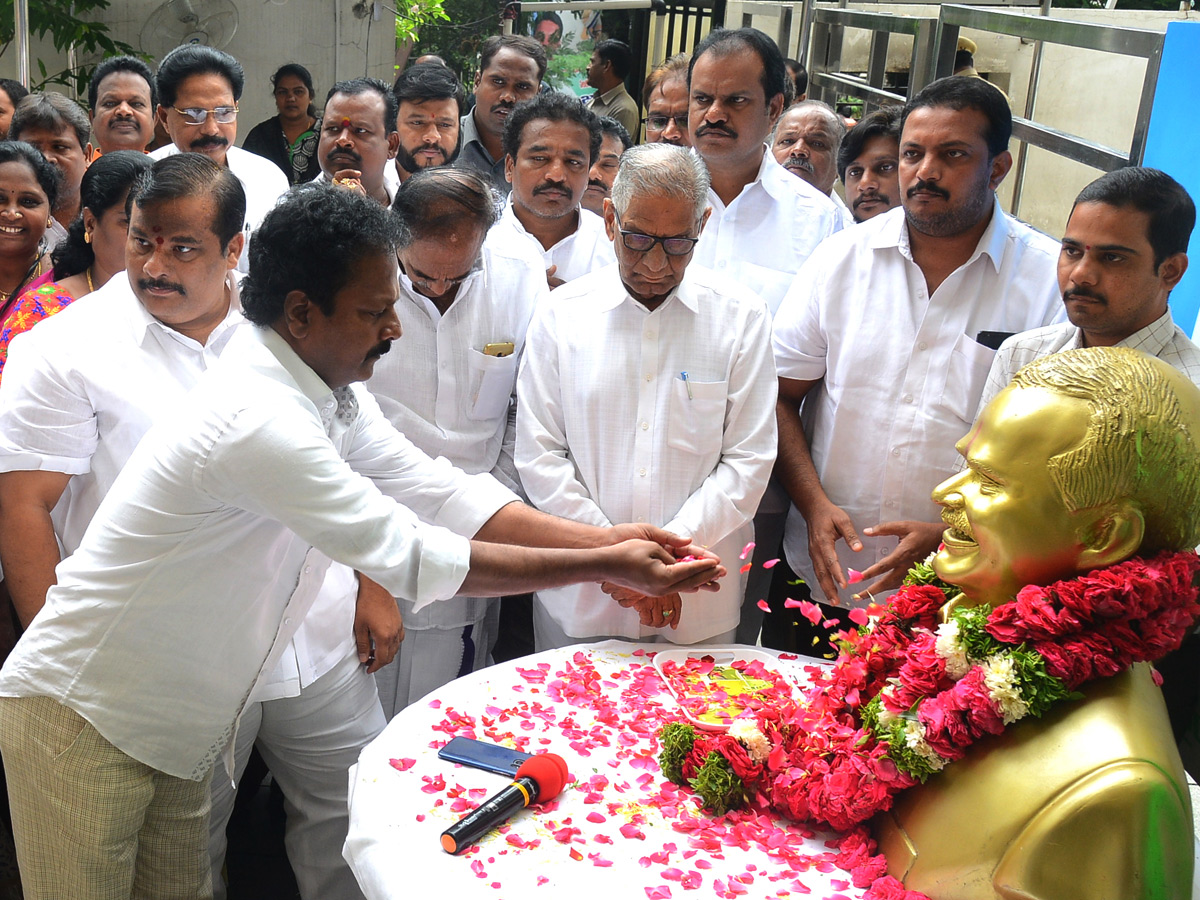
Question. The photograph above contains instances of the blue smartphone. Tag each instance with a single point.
(482, 755)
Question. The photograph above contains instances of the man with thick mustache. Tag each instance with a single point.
(359, 138)
(867, 163)
(198, 91)
(805, 142)
(550, 146)
(892, 330)
(614, 140)
(511, 68)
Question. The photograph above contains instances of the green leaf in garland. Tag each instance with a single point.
(718, 786)
(1039, 689)
(676, 739)
(922, 573)
(972, 631)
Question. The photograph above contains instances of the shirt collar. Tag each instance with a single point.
(1151, 340)
(607, 97)
(308, 382)
(613, 292)
(141, 321)
(893, 232)
(468, 133)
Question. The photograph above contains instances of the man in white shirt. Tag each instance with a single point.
(1123, 251)
(889, 335)
(82, 394)
(805, 142)
(464, 307)
(646, 395)
(196, 554)
(765, 223)
(359, 138)
(198, 90)
(550, 145)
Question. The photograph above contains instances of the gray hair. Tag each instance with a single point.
(662, 170)
(839, 127)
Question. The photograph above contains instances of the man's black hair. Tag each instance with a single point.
(53, 112)
(730, 41)
(130, 64)
(883, 122)
(618, 54)
(47, 175)
(429, 81)
(1155, 193)
(193, 175)
(526, 46)
(610, 126)
(799, 75)
(196, 59)
(557, 107)
(353, 86)
(312, 240)
(434, 203)
(964, 92)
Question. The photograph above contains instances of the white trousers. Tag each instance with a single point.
(549, 635)
(309, 742)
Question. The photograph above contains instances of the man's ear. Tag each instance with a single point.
(298, 311)
(1171, 269)
(393, 142)
(233, 250)
(1114, 534)
(509, 164)
(160, 113)
(1001, 163)
(610, 219)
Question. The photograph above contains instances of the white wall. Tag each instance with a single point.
(323, 35)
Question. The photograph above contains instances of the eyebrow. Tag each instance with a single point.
(174, 238)
(976, 466)
(1072, 242)
(413, 270)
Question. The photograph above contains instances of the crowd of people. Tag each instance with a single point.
(280, 424)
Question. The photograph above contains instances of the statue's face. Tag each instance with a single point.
(1007, 525)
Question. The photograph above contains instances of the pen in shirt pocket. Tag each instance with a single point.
(686, 383)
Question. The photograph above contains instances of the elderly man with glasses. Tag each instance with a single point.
(647, 394)
(198, 91)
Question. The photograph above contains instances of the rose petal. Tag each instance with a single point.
(855, 576)
(764, 606)
(746, 550)
(403, 764)
(770, 563)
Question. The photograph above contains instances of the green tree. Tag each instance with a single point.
(64, 21)
(467, 24)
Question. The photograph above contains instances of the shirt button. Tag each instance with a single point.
(908, 398)
(651, 335)
(649, 376)
(642, 472)
(287, 621)
(721, 264)
(890, 504)
(922, 345)
(307, 569)
(645, 426)
(895, 451)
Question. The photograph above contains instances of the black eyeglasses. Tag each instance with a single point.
(659, 123)
(643, 243)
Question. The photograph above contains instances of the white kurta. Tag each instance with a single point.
(584, 250)
(608, 431)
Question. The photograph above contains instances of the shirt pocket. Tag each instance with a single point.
(697, 416)
(966, 374)
(492, 380)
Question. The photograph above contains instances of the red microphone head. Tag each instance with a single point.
(548, 771)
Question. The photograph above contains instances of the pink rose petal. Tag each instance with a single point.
(855, 576)
(746, 551)
(403, 764)
(764, 606)
(770, 563)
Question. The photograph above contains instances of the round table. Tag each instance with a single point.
(619, 830)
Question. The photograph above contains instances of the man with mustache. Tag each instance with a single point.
(1123, 251)
(805, 142)
(121, 105)
(890, 333)
(429, 101)
(550, 146)
(867, 162)
(511, 68)
(465, 303)
(198, 91)
(102, 378)
(185, 587)
(614, 140)
(359, 138)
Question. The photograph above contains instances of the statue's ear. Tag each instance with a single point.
(1114, 534)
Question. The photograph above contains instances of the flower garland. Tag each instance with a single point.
(908, 695)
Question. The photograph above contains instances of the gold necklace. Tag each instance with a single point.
(34, 271)
(91, 287)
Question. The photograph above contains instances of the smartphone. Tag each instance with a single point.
(500, 348)
(482, 755)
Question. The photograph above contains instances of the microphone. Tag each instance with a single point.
(540, 777)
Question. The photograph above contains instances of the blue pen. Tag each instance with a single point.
(686, 384)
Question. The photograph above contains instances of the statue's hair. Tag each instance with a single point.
(1142, 441)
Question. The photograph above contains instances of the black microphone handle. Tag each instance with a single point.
(492, 812)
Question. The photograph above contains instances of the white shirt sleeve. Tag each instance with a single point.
(799, 341)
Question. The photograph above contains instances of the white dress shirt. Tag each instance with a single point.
(1161, 338)
(843, 209)
(262, 180)
(763, 237)
(162, 619)
(902, 370)
(82, 387)
(584, 250)
(608, 431)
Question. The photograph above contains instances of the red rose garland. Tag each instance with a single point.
(907, 695)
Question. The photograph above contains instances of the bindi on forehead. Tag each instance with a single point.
(345, 122)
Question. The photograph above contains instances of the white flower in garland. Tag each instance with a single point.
(1000, 679)
(755, 742)
(950, 648)
(914, 737)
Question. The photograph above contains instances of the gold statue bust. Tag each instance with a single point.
(1087, 458)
